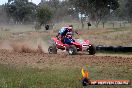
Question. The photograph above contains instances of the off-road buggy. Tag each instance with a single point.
(73, 48)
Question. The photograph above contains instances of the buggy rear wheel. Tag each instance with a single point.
(52, 49)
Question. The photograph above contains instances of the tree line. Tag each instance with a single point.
(50, 11)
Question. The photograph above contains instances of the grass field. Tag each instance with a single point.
(37, 70)
(61, 77)
(38, 78)
(101, 36)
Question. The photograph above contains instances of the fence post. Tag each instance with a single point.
(124, 24)
(120, 25)
(103, 24)
(113, 25)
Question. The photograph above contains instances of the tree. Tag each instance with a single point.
(44, 15)
(120, 13)
(129, 9)
(60, 8)
(63, 10)
(3, 15)
(19, 9)
(95, 9)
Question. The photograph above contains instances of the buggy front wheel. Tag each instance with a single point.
(72, 50)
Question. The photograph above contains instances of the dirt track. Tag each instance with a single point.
(43, 60)
(28, 53)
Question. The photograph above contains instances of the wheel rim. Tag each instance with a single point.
(70, 51)
(88, 50)
(50, 50)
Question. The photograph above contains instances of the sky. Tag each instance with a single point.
(34, 1)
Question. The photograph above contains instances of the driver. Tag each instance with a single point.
(68, 38)
(63, 32)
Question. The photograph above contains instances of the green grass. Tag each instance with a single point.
(12, 77)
